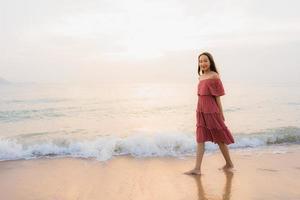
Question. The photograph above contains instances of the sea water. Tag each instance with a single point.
(139, 119)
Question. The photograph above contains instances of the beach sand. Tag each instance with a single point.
(257, 175)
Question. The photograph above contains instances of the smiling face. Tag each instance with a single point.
(204, 63)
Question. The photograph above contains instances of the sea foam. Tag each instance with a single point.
(139, 145)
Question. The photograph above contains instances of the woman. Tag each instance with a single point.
(209, 114)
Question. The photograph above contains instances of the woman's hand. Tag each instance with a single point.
(218, 99)
(222, 115)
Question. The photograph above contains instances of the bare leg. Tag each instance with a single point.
(200, 152)
(224, 149)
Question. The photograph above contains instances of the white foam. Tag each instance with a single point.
(138, 145)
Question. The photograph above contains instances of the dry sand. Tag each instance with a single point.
(260, 175)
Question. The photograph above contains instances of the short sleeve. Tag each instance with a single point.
(216, 87)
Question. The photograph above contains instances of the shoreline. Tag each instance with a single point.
(258, 175)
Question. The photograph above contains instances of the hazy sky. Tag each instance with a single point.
(136, 40)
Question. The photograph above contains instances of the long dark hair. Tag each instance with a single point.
(212, 63)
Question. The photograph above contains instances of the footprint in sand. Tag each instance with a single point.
(270, 170)
(297, 167)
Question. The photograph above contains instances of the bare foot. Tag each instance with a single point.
(227, 167)
(193, 172)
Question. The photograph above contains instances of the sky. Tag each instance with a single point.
(154, 40)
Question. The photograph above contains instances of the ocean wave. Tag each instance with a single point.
(140, 145)
(232, 109)
(36, 101)
(294, 103)
(19, 115)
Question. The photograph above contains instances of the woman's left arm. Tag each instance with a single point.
(218, 99)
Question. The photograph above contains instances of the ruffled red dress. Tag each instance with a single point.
(210, 124)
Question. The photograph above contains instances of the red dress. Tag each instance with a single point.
(210, 124)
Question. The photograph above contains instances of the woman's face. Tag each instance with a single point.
(204, 63)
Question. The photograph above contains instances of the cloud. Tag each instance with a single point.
(63, 36)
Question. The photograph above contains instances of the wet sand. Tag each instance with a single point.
(260, 175)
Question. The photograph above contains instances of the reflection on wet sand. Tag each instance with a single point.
(227, 188)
